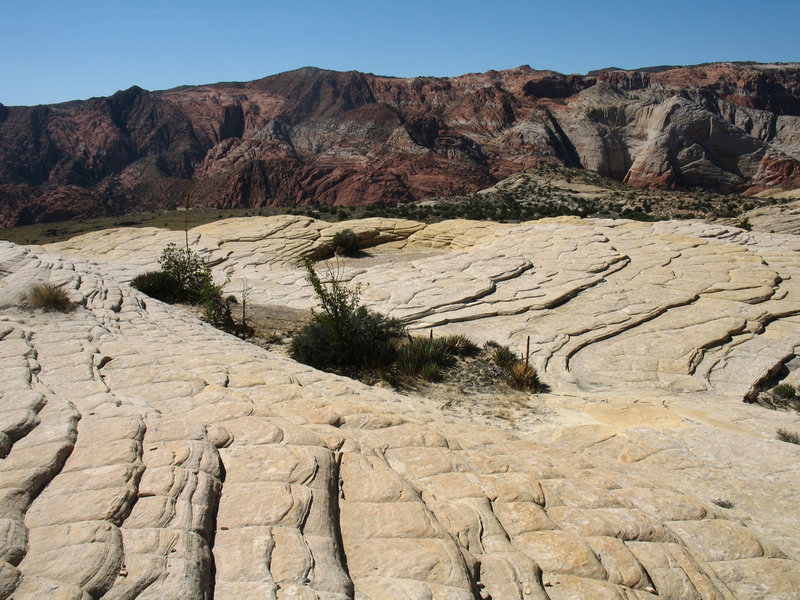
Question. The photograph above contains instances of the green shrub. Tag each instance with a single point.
(785, 390)
(461, 345)
(190, 272)
(346, 243)
(185, 276)
(344, 334)
(785, 435)
(421, 351)
(159, 285)
(523, 377)
(217, 310)
(49, 297)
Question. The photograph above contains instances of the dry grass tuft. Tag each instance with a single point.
(785, 435)
(49, 297)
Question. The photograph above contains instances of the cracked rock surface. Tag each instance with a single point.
(148, 455)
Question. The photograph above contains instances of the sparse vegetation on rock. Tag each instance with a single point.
(523, 377)
(461, 345)
(48, 297)
(783, 396)
(520, 374)
(186, 277)
(502, 356)
(791, 437)
(346, 243)
(344, 334)
(425, 357)
(785, 391)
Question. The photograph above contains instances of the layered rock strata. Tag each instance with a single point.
(352, 138)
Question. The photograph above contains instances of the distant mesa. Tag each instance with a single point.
(349, 138)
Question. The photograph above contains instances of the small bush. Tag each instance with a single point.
(344, 334)
(723, 503)
(785, 390)
(461, 345)
(785, 435)
(421, 351)
(346, 243)
(523, 377)
(186, 277)
(217, 311)
(369, 341)
(49, 297)
(190, 272)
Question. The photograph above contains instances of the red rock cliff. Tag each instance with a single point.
(354, 138)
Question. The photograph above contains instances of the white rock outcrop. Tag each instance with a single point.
(148, 455)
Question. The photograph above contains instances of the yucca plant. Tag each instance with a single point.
(461, 345)
(160, 285)
(49, 297)
(430, 372)
(420, 351)
(785, 390)
(504, 357)
(523, 377)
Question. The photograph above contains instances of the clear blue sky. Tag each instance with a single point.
(64, 50)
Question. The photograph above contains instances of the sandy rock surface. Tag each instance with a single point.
(148, 455)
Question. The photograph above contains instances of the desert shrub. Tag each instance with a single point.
(413, 357)
(49, 297)
(522, 376)
(190, 272)
(785, 435)
(217, 309)
(723, 502)
(461, 345)
(346, 243)
(785, 390)
(157, 284)
(185, 276)
(344, 334)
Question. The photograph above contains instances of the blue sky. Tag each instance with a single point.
(58, 51)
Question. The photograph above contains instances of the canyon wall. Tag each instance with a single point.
(352, 138)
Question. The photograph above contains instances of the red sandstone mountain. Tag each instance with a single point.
(354, 138)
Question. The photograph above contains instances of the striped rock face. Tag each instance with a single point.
(148, 455)
(353, 138)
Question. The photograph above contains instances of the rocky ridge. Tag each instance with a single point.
(148, 455)
(354, 138)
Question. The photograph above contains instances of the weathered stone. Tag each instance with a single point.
(193, 461)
